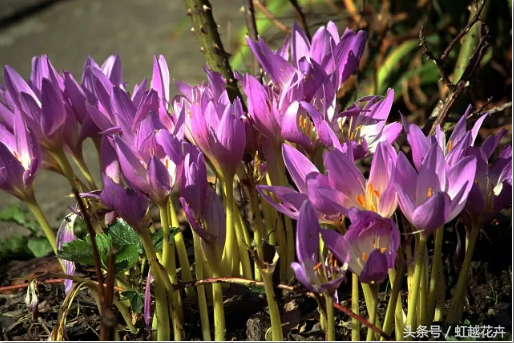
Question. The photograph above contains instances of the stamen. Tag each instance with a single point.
(364, 257)
(429, 193)
(450, 145)
(374, 243)
(361, 200)
(317, 266)
(383, 250)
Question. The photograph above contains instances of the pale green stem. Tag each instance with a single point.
(242, 244)
(422, 295)
(79, 161)
(64, 164)
(181, 252)
(230, 240)
(274, 312)
(168, 261)
(435, 276)
(270, 221)
(258, 232)
(202, 302)
(33, 206)
(356, 325)
(392, 306)
(457, 303)
(161, 322)
(413, 300)
(372, 301)
(330, 333)
(219, 311)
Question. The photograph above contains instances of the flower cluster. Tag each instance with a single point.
(151, 143)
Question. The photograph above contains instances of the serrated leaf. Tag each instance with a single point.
(39, 246)
(126, 257)
(77, 251)
(123, 234)
(127, 295)
(157, 237)
(137, 302)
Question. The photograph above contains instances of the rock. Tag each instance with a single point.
(256, 326)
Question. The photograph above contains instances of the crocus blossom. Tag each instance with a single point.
(66, 234)
(436, 194)
(20, 159)
(371, 243)
(315, 275)
(492, 188)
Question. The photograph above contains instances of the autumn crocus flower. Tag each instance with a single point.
(492, 188)
(363, 125)
(214, 124)
(351, 189)
(44, 115)
(436, 194)
(20, 159)
(455, 146)
(371, 242)
(316, 275)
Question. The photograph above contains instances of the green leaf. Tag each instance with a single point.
(123, 234)
(77, 251)
(126, 258)
(20, 216)
(157, 237)
(14, 246)
(137, 302)
(127, 295)
(39, 246)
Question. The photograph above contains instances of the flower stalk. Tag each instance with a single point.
(356, 332)
(413, 300)
(330, 333)
(202, 301)
(456, 306)
(436, 277)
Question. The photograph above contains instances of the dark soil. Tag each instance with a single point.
(488, 300)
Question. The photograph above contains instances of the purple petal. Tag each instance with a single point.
(15, 85)
(307, 234)
(336, 244)
(419, 144)
(150, 103)
(52, 108)
(432, 214)
(11, 173)
(112, 68)
(300, 45)
(278, 69)
(288, 201)
(376, 268)
(215, 219)
(133, 170)
(65, 234)
(298, 165)
(301, 276)
(338, 164)
(432, 174)
(230, 142)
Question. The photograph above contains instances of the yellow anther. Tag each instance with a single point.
(429, 193)
(450, 145)
(374, 243)
(383, 250)
(317, 266)
(361, 200)
(364, 257)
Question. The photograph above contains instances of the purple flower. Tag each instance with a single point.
(65, 234)
(129, 204)
(492, 188)
(435, 195)
(45, 114)
(348, 188)
(371, 242)
(364, 128)
(315, 275)
(453, 149)
(214, 124)
(20, 159)
(193, 183)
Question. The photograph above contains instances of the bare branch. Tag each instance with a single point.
(463, 32)
(260, 6)
(437, 61)
(301, 15)
(250, 19)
